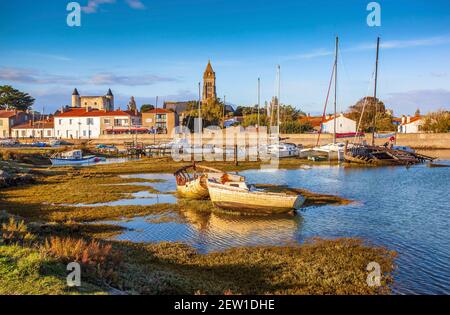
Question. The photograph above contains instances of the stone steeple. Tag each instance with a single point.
(209, 84)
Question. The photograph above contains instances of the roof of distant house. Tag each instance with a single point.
(40, 124)
(7, 113)
(82, 112)
(315, 121)
(413, 119)
(331, 117)
(158, 111)
(177, 107)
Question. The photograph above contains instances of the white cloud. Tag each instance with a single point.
(32, 76)
(93, 5)
(426, 100)
(136, 4)
(391, 44)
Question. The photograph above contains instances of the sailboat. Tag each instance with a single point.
(276, 148)
(333, 150)
(362, 153)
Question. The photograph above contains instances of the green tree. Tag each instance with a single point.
(295, 127)
(147, 107)
(252, 120)
(437, 122)
(11, 98)
(373, 108)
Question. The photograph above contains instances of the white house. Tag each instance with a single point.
(37, 129)
(410, 124)
(86, 123)
(343, 124)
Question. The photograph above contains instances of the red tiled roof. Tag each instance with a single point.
(314, 121)
(45, 124)
(158, 111)
(413, 119)
(82, 112)
(7, 113)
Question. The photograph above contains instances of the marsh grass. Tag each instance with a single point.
(25, 270)
(316, 267)
(14, 232)
(98, 260)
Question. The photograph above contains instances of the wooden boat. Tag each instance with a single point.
(237, 196)
(382, 156)
(74, 157)
(192, 180)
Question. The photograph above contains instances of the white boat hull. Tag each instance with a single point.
(255, 202)
(85, 160)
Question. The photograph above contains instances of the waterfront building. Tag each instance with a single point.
(9, 119)
(81, 123)
(160, 120)
(104, 102)
(343, 124)
(410, 124)
(35, 129)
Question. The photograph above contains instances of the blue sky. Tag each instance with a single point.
(147, 48)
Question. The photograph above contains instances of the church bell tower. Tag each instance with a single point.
(209, 84)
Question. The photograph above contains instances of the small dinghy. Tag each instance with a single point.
(192, 180)
(237, 196)
(74, 157)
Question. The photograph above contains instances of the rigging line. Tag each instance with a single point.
(326, 102)
(341, 60)
(364, 107)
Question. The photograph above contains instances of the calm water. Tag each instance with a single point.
(406, 210)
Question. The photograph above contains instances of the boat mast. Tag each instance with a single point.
(259, 97)
(223, 114)
(278, 99)
(199, 109)
(335, 88)
(375, 93)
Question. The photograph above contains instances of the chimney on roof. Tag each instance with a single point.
(403, 119)
(408, 119)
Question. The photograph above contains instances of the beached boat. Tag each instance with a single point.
(192, 180)
(382, 156)
(73, 157)
(237, 196)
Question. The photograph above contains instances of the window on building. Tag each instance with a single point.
(70, 121)
(1, 122)
(49, 133)
(60, 121)
(106, 121)
(24, 133)
(84, 133)
(90, 121)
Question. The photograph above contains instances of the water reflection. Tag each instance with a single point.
(209, 231)
(141, 198)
